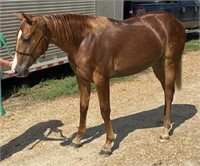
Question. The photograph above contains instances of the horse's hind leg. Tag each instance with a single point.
(84, 89)
(170, 70)
(158, 69)
(165, 72)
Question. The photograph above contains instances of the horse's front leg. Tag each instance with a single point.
(84, 89)
(102, 86)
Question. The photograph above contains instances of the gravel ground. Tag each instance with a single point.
(40, 133)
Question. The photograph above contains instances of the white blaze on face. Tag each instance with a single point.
(15, 57)
(14, 64)
(19, 34)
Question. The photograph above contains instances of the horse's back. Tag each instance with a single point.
(144, 40)
(162, 20)
(162, 16)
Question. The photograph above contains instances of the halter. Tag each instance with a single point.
(31, 52)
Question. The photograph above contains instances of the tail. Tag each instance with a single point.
(178, 75)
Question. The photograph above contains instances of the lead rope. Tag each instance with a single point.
(2, 43)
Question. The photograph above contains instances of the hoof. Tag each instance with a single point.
(75, 145)
(164, 138)
(105, 153)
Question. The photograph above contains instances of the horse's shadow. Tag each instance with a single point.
(122, 127)
(36, 132)
(147, 119)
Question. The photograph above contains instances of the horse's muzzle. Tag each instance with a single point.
(21, 73)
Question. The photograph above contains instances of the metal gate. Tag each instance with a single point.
(9, 25)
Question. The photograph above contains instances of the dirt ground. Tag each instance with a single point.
(40, 134)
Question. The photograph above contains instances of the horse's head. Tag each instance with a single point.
(32, 42)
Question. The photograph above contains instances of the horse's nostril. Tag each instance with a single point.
(14, 71)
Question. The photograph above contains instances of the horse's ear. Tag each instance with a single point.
(18, 15)
(22, 16)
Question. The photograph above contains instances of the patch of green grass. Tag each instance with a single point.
(50, 89)
(23, 90)
(192, 45)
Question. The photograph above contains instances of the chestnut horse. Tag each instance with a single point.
(100, 48)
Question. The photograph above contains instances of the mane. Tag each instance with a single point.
(69, 26)
(69, 30)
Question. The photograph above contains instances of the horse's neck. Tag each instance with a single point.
(67, 31)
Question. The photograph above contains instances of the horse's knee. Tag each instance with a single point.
(83, 112)
(105, 113)
(83, 107)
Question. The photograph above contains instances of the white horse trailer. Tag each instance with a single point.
(54, 56)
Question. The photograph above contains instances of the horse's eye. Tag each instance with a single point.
(26, 39)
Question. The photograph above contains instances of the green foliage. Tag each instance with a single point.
(192, 45)
(50, 89)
